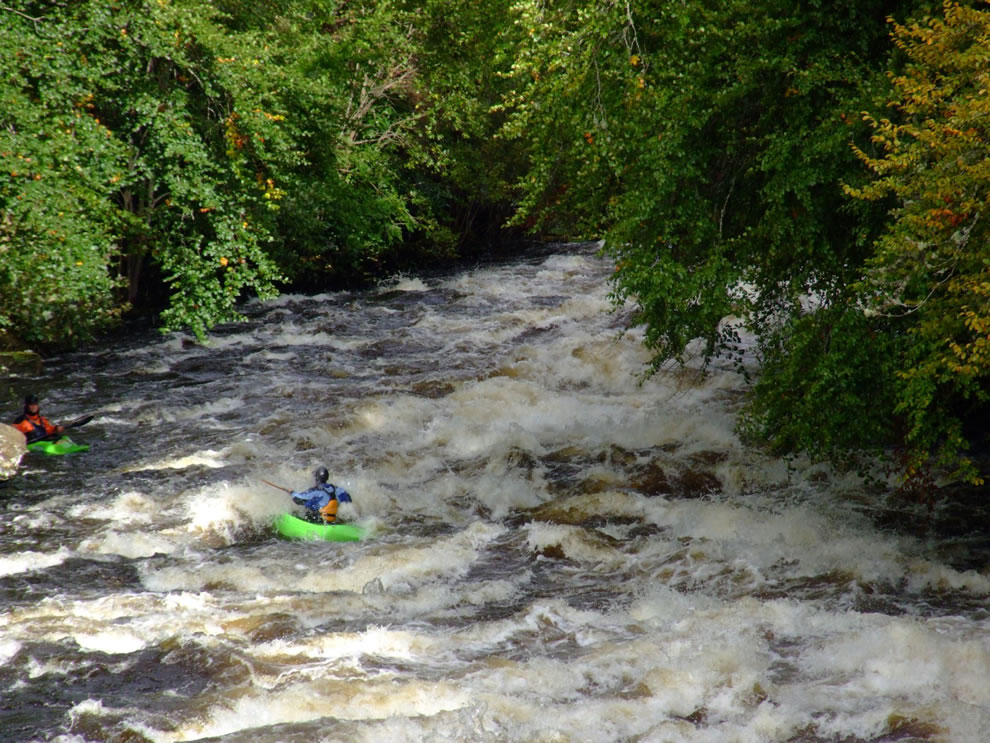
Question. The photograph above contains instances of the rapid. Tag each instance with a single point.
(561, 550)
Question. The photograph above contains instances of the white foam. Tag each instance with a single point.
(110, 642)
(928, 575)
(405, 284)
(650, 622)
(904, 658)
(8, 648)
(132, 545)
(131, 507)
(206, 458)
(24, 562)
(373, 699)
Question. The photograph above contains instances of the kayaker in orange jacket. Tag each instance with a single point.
(32, 423)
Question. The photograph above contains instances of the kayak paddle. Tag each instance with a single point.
(75, 424)
(79, 422)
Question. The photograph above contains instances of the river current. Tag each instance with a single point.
(560, 552)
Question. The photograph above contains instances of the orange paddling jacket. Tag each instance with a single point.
(34, 426)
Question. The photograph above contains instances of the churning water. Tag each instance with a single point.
(560, 552)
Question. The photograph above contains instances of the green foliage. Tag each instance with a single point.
(823, 386)
(56, 218)
(211, 148)
(712, 154)
(931, 269)
(709, 157)
(348, 81)
(214, 150)
(126, 99)
(713, 135)
(465, 49)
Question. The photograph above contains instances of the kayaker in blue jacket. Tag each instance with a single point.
(322, 499)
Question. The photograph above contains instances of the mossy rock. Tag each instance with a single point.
(20, 362)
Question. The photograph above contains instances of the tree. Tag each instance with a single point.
(350, 84)
(196, 153)
(465, 50)
(931, 271)
(708, 149)
(56, 219)
(137, 130)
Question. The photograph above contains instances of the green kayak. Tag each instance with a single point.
(292, 527)
(64, 445)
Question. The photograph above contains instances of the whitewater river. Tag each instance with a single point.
(560, 552)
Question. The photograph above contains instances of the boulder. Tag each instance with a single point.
(22, 363)
(13, 446)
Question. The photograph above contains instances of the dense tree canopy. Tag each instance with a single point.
(716, 155)
(929, 272)
(220, 146)
(811, 175)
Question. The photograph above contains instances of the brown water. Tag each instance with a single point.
(559, 552)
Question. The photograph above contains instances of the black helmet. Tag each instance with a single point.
(30, 400)
(322, 474)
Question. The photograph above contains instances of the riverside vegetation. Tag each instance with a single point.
(815, 173)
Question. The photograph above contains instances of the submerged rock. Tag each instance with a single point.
(20, 362)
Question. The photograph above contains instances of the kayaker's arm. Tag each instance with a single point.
(59, 430)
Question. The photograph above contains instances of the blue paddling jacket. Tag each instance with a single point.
(322, 499)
